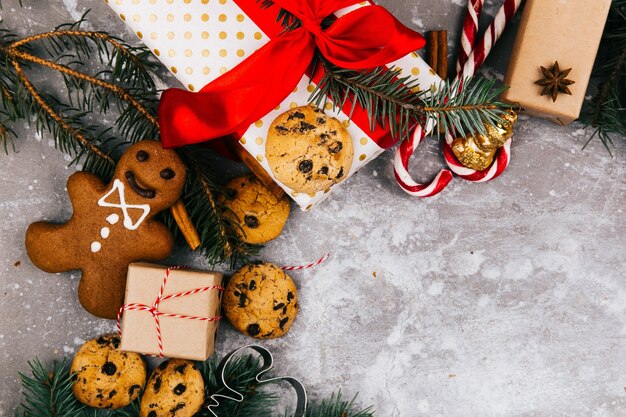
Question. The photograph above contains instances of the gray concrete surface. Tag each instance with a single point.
(499, 299)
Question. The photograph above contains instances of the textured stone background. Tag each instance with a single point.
(501, 299)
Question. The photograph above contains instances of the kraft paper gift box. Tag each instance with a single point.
(182, 338)
(198, 40)
(567, 31)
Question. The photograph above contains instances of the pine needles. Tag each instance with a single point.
(123, 81)
(219, 235)
(241, 376)
(607, 113)
(335, 406)
(47, 392)
(400, 103)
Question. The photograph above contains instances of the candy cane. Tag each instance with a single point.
(470, 32)
(467, 69)
(492, 34)
(401, 164)
(475, 60)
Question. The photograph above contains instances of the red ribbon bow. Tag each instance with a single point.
(367, 37)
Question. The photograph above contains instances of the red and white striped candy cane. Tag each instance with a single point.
(474, 61)
(470, 32)
(492, 34)
(401, 165)
(467, 65)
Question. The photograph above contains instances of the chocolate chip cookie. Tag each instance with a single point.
(105, 377)
(175, 389)
(260, 215)
(308, 150)
(260, 300)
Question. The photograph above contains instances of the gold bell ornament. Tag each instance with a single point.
(477, 151)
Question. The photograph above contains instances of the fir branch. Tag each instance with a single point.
(47, 392)
(219, 235)
(335, 406)
(286, 19)
(125, 81)
(81, 79)
(607, 111)
(399, 102)
(68, 137)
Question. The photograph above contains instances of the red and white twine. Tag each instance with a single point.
(470, 59)
(301, 267)
(154, 308)
(156, 314)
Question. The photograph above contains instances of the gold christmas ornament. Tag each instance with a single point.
(477, 151)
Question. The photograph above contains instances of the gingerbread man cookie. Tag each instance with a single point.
(112, 225)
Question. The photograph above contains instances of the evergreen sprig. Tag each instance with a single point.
(335, 406)
(399, 102)
(607, 110)
(287, 20)
(122, 80)
(220, 237)
(47, 392)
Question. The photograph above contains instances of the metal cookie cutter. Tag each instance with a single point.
(268, 363)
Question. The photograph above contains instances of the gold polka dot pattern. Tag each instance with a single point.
(199, 40)
(198, 37)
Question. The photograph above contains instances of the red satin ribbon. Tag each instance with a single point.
(365, 38)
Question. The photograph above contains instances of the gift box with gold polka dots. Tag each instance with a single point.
(199, 40)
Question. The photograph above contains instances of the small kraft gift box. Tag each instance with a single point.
(567, 32)
(200, 40)
(170, 312)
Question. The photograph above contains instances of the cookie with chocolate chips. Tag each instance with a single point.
(105, 377)
(308, 150)
(175, 389)
(258, 212)
(261, 301)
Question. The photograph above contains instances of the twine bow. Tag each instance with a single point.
(367, 37)
(154, 308)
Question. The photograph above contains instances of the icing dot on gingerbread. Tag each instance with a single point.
(113, 218)
(95, 247)
(104, 232)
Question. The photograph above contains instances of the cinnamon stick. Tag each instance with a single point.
(433, 49)
(442, 56)
(438, 52)
(179, 212)
(256, 169)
